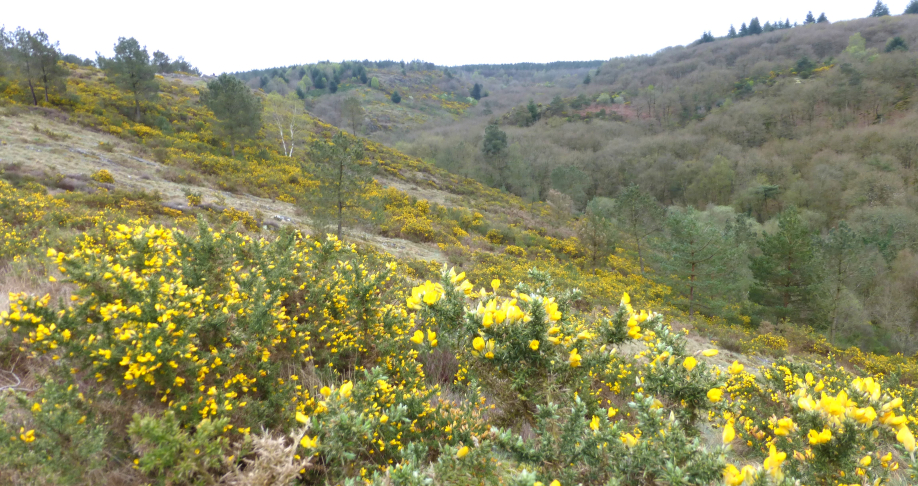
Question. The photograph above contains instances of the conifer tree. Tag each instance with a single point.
(396, 98)
(699, 261)
(36, 58)
(880, 9)
(132, 71)
(343, 180)
(785, 273)
(912, 7)
(587, 79)
(823, 19)
(534, 114)
(238, 111)
(743, 30)
(842, 249)
(596, 231)
(494, 149)
(731, 34)
(809, 18)
(475, 92)
(639, 215)
(755, 27)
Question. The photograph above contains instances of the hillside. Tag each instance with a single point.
(177, 308)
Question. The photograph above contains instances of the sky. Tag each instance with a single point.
(235, 36)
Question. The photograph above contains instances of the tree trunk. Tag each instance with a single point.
(640, 258)
(32, 88)
(691, 293)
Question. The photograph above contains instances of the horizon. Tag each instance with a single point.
(505, 36)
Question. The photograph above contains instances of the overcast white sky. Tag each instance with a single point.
(235, 36)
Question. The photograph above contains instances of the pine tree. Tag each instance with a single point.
(699, 260)
(842, 249)
(534, 114)
(162, 62)
(343, 180)
(38, 60)
(238, 111)
(912, 7)
(880, 9)
(587, 79)
(896, 44)
(743, 30)
(822, 19)
(731, 34)
(475, 92)
(755, 27)
(494, 149)
(332, 86)
(396, 98)
(596, 232)
(785, 273)
(132, 71)
(639, 215)
(809, 18)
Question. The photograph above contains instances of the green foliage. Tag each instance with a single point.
(238, 111)
(785, 273)
(822, 19)
(597, 232)
(809, 18)
(587, 79)
(374, 83)
(475, 91)
(912, 7)
(896, 44)
(353, 112)
(396, 98)
(344, 177)
(639, 216)
(880, 9)
(699, 260)
(37, 61)
(333, 86)
(175, 455)
(131, 70)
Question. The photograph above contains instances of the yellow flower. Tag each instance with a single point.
(534, 345)
(418, 337)
(773, 463)
(345, 390)
(462, 452)
(729, 433)
(715, 394)
(905, 437)
(710, 352)
(301, 418)
(689, 363)
(629, 440)
(325, 391)
(26, 436)
(555, 483)
(733, 476)
(611, 413)
(478, 343)
(432, 338)
(817, 438)
(785, 426)
(383, 418)
(574, 358)
(626, 299)
(309, 443)
(495, 284)
(594, 423)
(865, 461)
(735, 368)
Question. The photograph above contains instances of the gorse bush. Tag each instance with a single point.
(216, 333)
